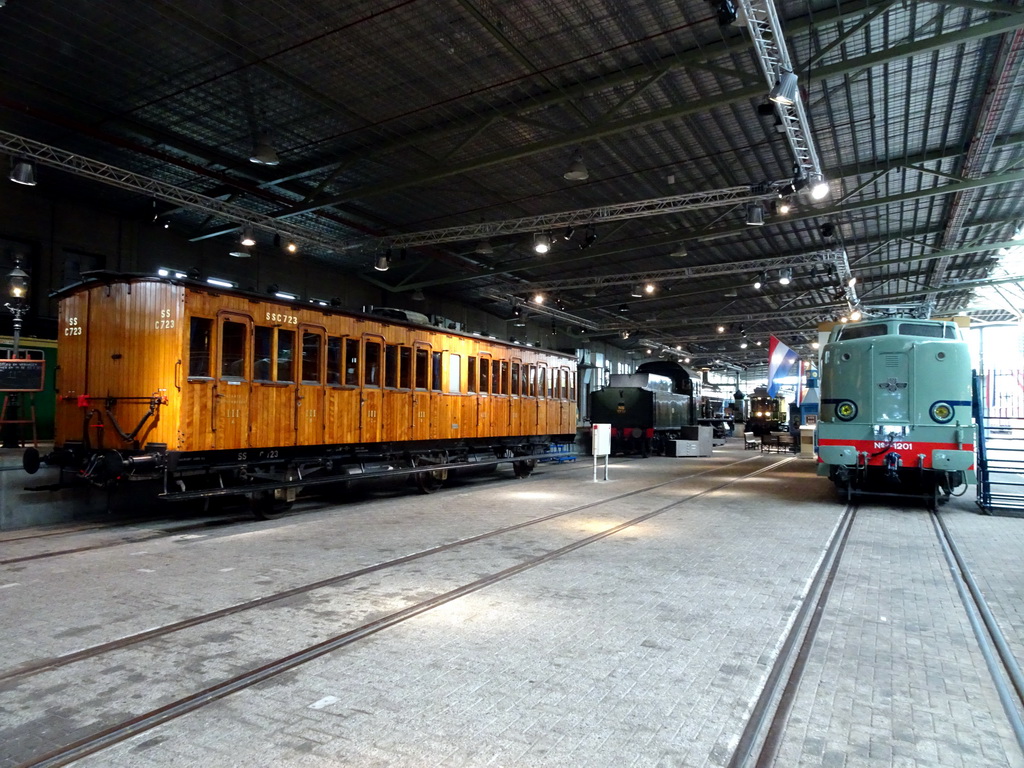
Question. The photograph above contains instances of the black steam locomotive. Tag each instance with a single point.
(646, 409)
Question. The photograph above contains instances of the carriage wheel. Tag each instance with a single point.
(524, 467)
(428, 482)
(265, 505)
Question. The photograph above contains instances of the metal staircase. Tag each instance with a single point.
(999, 413)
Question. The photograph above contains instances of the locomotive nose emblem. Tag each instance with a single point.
(892, 385)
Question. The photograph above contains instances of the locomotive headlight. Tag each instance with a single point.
(941, 412)
(846, 410)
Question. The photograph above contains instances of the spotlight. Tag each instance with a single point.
(819, 187)
(726, 11)
(291, 247)
(785, 276)
(784, 90)
(680, 251)
(576, 171)
(590, 239)
(743, 344)
(758, 282)
(538, 298)
(637, 291)
(855, 315)
(649, 288)
(755, 215)
(624, 334)
(844, 319)
(383, 262)
(784, 207)
(686, 359)
(24, 172)
(852, 281)
(569, 232)
(541, 243)
(247, 238)
(721, 329)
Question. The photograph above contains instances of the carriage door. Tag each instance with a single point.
(232, 386)
(372, 399)
(421, 391)
(309, 396)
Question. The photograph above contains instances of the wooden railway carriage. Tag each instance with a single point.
(222, 392)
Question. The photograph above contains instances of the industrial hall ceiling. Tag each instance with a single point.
(682, 158)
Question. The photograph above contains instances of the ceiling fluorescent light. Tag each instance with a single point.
(576, 171)
(264, 152)
(23, 172)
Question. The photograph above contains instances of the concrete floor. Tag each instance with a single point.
(645, 647)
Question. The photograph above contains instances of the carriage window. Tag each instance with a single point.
(484, 376)
(232, 349)
(471, 374)
(565, 385)
(334, 359)
(524, 379)
(572, 386)
(352, 362)
(200, 334)
(455, 373)
(552, 388)
(435, 366)
(515, 379)
(542, 374)
(422, 369)
(285, 355)
(391, 365)
(533, 381)
(405, 377)
(371, 364)
(311, 346)
(497, 381)
(264, 340)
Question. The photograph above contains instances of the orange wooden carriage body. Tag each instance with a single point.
(180, 367)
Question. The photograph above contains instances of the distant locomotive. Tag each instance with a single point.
(646, 409)
(216, 392)
(765, 414)
(896, 410)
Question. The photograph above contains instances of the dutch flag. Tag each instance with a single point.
(781, 361)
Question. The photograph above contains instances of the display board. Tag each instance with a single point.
(22, 375)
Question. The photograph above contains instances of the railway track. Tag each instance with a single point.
(163, 709)
(761, 740)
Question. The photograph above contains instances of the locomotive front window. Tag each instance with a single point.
(263, 343)
(371, 365)
(471, 374)
(933, 330)
(334, 360)
(311, 353)
(232, 349)
(422, 369)
(200, 335)
(391, 365)
(352, 362)
(435, 366)
(285, 355)
(863, 331)
(405, 372)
